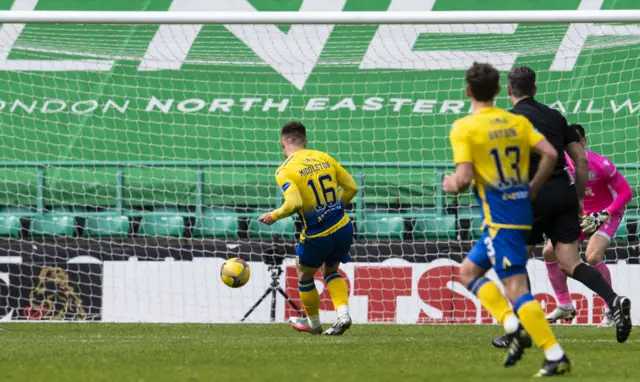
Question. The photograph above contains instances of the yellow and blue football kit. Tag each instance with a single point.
(309, 181)
(498, 144)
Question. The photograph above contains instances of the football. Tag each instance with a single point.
(235, 273)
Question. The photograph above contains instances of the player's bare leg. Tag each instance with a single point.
(339, 294)
(595, 253)
(565, 309)
(310, 302)
(502, 342)
(496, 304)
(532, 317)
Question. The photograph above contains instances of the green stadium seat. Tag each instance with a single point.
(284, 228)
(473, 215)
(162, 225)
(435, 227)
(18, 211)
(633, 229)
(383, 227)
(10, 225)
(632, 215)
(422, 211)
(106, 225)
(476, 227)
(68, 210)
(217, 223)
(50, 225)
(170, 210)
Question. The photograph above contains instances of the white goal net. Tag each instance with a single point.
(135, 158)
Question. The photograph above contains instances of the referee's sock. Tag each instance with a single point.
(593, 280)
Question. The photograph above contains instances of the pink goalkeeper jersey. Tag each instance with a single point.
(606, 187)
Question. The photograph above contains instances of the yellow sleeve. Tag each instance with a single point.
(348, 189)
(292, 199)
(348, 186)
(534, 135)
(340, 171)
(460, 145)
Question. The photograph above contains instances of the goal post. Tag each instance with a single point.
(319, 17)
(138, 149)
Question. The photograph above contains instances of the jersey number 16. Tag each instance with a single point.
(328, 192)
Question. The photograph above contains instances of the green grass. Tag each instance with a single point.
(151, 352)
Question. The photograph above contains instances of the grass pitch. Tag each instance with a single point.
(246, 352)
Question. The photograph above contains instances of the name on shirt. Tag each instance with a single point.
(314, 168)
(502, 133)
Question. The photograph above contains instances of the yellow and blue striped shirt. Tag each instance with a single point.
(498, 144)
(309, 181)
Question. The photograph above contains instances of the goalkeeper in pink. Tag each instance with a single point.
(606, 195)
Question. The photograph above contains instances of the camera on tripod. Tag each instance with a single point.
(273, 258)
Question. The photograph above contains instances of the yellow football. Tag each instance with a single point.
(235, 273)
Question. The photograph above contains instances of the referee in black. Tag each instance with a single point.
(559, 204)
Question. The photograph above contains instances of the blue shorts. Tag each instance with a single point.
(329, 249)
(506, 251)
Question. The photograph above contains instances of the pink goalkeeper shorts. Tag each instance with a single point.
(607, 230)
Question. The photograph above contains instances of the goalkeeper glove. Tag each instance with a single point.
(591, 222)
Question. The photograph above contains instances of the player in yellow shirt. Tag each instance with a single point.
(491, 149)
(309, 181)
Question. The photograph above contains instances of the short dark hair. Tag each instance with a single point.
(580, 130)
(483, 81)
(522, 81)
(294, 132)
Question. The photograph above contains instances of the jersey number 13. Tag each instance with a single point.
(509, 175)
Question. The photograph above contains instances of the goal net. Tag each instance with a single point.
(136, 158)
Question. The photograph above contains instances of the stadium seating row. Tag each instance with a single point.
(211, 224)
(226, 224)
(151, 224)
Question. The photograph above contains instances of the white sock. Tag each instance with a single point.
(314, 321)
(568, 306)
(342, 310)
(511, 324)
(554, 353)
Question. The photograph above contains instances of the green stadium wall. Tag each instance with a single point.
(128, 123)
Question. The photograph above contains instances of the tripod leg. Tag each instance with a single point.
(273, 304)
(291, 302)
(266, 293)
